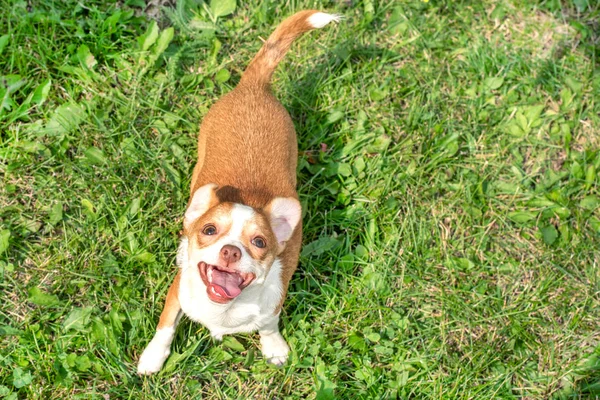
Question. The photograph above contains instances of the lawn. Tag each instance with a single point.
(449, 174)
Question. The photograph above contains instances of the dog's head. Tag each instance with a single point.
(234, 245)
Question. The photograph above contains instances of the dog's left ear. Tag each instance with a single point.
(284, 215)
(203, 199)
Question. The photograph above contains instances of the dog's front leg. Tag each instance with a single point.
(273, 345)
(157, 351)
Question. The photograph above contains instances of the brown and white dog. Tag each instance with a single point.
(242, 228)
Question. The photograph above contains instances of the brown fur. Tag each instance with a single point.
(264, 63)
(172, 309)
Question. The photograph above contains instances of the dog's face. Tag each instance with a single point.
(232, 245)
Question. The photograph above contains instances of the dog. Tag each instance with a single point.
(242, 228)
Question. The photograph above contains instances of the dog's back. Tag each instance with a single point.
(247, 140)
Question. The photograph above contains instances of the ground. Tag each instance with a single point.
(449, 175)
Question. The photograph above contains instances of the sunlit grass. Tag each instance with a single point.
(448, 171)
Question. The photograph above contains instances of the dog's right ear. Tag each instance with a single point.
(204, 198)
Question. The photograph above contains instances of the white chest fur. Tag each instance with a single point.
(252, 310)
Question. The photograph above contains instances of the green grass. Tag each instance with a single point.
(449, 174)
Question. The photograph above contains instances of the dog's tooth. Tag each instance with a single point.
(209, 274)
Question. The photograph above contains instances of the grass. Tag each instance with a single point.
(449, 175)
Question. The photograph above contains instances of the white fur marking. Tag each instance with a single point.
(157, 351)
(182, 253)
(240, 214)
(274, 348)
(252, 310)
(273, 345)
(321, 19)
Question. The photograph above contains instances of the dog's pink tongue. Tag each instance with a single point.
(228, 283)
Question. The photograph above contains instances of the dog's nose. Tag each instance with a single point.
(230, 254)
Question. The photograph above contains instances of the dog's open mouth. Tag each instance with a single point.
(223, 284)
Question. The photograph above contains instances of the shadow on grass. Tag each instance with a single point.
(305, 89)
(583, 17)
(310, 117)
(587, 377)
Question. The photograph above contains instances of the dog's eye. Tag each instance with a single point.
(259, 242)
(209, 230)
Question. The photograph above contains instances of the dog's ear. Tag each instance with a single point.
(204, 198)
(284, 215)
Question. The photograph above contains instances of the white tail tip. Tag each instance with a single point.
(320, 19)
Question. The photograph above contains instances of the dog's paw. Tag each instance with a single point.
(153, 358)
(277, 361)
(156, 353)
(275, 349)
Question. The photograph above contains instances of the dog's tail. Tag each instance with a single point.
(261, 68)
